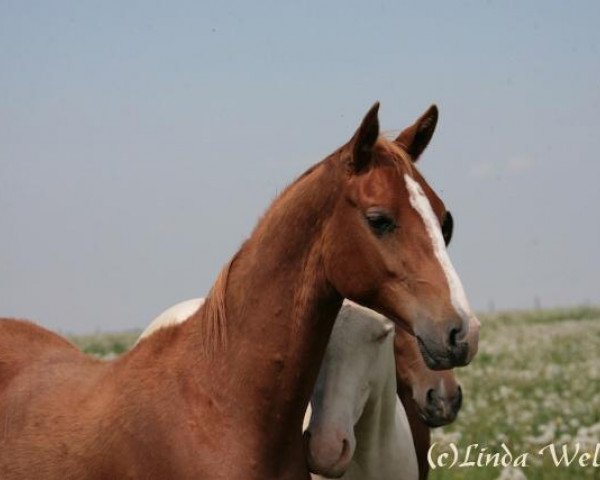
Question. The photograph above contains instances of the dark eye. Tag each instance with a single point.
(381, 336)
(381, 223)
(447, 227)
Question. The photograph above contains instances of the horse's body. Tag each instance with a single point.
(34, 402)
(223, 395)
(389, 427)
(359, 357)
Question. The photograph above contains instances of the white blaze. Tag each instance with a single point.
(420, 203)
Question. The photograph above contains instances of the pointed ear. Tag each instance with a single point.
(415, 138)
(361, 144)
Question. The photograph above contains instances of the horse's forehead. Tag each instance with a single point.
(434, 200)
(382, 185)
(405, 166)
(385, 183)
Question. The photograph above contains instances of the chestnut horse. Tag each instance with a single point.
(223, 395)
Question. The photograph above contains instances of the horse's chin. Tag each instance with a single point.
(437, 361)
(440, 411)
(432, 362)
(327, 472)
(433, 421)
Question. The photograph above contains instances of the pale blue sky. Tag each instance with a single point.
(140, 141)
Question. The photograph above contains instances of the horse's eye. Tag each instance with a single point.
(381, 336)
(447, 227)
(381, 223)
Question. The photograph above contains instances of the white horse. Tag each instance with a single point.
(358, 428)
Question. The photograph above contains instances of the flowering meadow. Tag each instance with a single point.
(534, 385)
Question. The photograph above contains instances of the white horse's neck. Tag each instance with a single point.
(384, 443)
(383, 433)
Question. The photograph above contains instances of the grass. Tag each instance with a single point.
(106, 345)
(535, 381)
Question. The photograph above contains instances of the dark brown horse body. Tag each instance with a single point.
(223, 395)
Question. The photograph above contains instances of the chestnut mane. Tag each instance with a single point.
(386, 148)
(213, 314)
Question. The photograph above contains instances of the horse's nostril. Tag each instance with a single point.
(430, 396)
(453, 338)
(458, 399)
(345, 448)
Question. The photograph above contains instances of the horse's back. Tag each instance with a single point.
(23, 343)
(46, 386)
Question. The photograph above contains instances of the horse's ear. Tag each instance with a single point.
(361, 144)
(415, 138)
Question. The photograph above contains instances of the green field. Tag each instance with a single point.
(106, 345)
(535, 382)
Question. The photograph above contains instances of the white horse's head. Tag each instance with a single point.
(358, 361)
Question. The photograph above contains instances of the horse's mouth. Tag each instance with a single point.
(434, 421)
(432, 361)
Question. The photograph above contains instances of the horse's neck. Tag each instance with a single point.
(280, 310)
(384, 448)
(406, 457)
(421, 434)
(287, 316)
